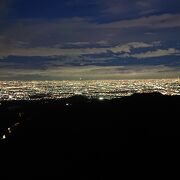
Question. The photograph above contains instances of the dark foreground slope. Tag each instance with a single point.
(83, 137)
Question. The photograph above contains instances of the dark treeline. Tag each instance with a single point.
(86, 137)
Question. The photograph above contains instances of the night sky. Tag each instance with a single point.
(95, 39)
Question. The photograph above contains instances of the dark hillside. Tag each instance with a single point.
(76, 134)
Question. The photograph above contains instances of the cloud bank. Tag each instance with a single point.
(93, 72)
(91, 39)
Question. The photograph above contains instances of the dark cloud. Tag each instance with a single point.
(5, 11)
(55, 33)
(5, 8)
(135, 8)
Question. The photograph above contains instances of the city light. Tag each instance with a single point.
(4, 137)
(101, 98)
(99, 89)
